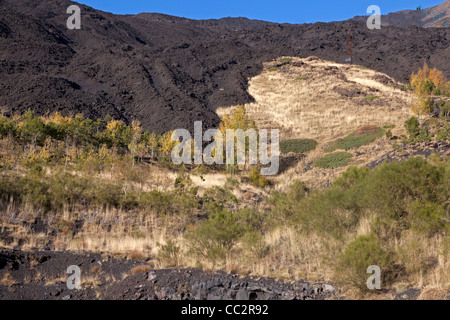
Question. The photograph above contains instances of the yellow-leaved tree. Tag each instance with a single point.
(426, 83)
(166, 143)
(236, 119)
(136, 146)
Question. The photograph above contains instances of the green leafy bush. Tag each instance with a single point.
(412, 126)
(393, 188)
(214, 238)
(361, 253)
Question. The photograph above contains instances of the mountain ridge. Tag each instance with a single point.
(167, 71)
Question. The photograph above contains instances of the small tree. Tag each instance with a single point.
(412, 126)
(152, 142)
(426, 82)
(135, 146)
(214, 238)
(236, 119)
(31, 128)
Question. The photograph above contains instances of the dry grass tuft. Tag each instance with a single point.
(140, 269)
(7, 280)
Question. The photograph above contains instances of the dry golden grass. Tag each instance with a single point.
(433, 294)
(140, 269)
(306, 99)
(90, 281)
(53, 281)
(7, 280)
(426, 259)
(137, 255)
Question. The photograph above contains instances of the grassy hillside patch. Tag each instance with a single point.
(361, 137)
(333, 160)
(298, 145)
(372, 98)
(285, 60)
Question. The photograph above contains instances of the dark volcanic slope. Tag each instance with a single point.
(168, 71)
(434, 17)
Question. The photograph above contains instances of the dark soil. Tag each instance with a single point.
(33, 275)
(41, 275)
(168, 72)
(421, 149)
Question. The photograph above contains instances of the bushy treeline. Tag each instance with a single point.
(98, 144)
(74, 132)
(65, 191)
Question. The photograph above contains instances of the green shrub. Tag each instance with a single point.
(351, 177)
(214, 238)
(331, 213)
(256, 178)
(392, 188)
(430, 218)
(169, 254)
(437, 92)
(389, 134)
(297, 145)
(361, 253)
(412, 126)
(273, 69)
(6, 127)
(444, 108)
(218, 198)
(285, 203)
(372, 98)
(333, 160)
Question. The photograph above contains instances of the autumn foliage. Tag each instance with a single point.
(425, 83)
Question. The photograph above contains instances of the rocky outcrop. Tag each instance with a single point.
(193, 284)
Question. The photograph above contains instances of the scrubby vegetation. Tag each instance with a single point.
(363, 136)
(63, 170)
(371, 98)
(333, 160)
(437, 129)
(297, 145)
(390, 206)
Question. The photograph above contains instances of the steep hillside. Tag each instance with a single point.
(167, 71)
(315, 99)
(434, 17)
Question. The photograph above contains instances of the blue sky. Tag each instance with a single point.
(291, 11)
